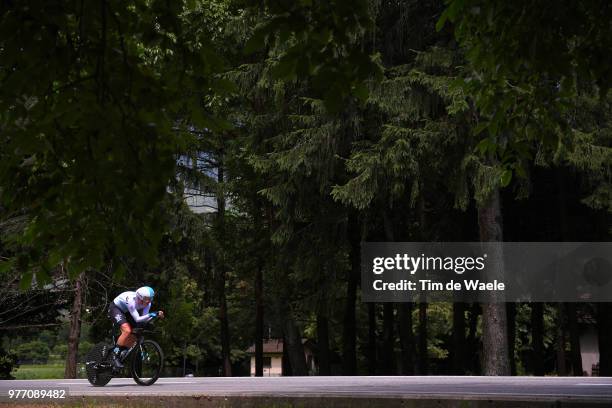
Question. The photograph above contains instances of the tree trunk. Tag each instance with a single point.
(574, 334)
(323, 352)
(494, 324)
(225, 335)
(293, 345)
(537, 337)
(349, 329)
(371, 338)
(223, 318)
(473, 345)
(184, 358)
(576, 358)
(388, 355)
(323, 344)
(259, 323)
(511, 314)
(406, 337)
(494, 317)
(561, 357)
(423, 360)
(388, 350)
(458, 351)
(74, 335)
(210, 291)
(604, 328)
(286, 364)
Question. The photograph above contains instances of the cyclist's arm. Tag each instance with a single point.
(136, 316)
(145, 311)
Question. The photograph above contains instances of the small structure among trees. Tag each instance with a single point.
(274, 364)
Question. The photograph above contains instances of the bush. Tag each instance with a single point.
(60, 350)
(35, 351)
(84, 347)
(8, 362)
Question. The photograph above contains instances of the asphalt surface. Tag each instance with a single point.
(525, 388)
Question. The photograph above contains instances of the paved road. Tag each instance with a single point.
(525, 388)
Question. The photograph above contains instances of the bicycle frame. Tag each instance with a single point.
(138, 332)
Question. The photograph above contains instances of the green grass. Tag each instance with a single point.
(42, 371)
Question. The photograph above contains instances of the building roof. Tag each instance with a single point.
(269, 346)
(274, 346)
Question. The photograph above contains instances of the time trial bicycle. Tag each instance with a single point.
(145, 359)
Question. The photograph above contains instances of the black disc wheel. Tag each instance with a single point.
(97, 365)
(147, 363)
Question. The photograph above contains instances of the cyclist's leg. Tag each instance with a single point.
(129, 339)
(126, 339)
(116, 315)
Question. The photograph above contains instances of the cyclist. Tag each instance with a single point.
(127, 310)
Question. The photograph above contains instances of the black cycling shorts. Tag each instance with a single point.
(118, 317)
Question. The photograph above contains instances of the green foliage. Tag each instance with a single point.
(438, 316)
(524, 40)
(316, 41)
(331, 122)
(36, 351)
(8, 362)
(523, 340)
(484, 180)
(417, 114)
(527, 61)
(90, 99)
(589, 150)
(60, 351)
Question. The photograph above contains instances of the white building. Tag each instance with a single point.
(589, 350)
(273, 357)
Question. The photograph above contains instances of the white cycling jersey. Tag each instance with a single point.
(127, 302)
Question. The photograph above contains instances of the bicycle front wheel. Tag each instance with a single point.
(147, 363)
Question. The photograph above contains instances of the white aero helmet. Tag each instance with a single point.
(145, 292)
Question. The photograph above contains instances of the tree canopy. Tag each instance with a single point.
(235, 154)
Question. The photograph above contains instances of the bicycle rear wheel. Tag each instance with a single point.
(147, 363)
(98, 356)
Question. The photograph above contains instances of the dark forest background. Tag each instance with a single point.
(235, 154)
